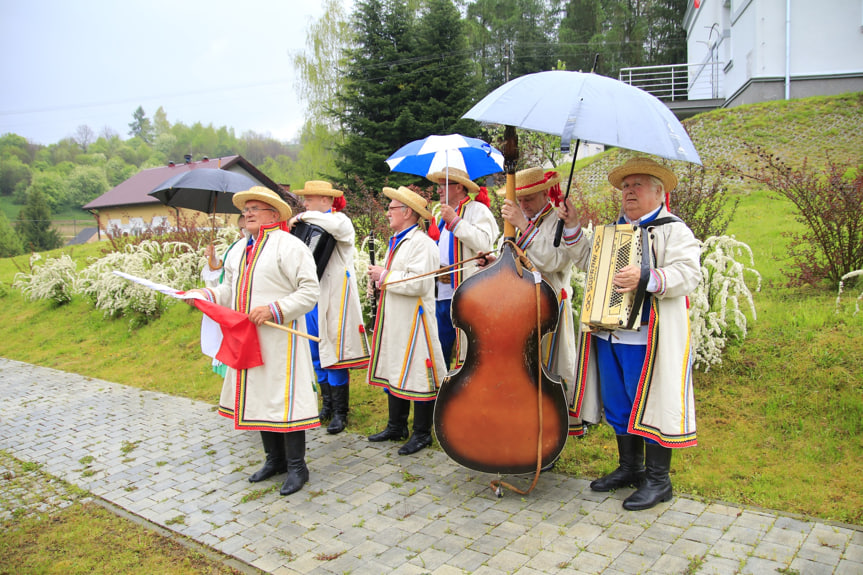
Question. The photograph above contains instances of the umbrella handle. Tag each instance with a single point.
(558, 233)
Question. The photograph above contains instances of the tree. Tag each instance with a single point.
(50, 186)
(84, 136)
(84, 184)
(666, 39)
(318, 66)
(140, 126)
(511, 38)
(13, 174)
(161, 125)
(10, 242)
(34, 224)
(378, 84)
(446, 81)
(580, 23)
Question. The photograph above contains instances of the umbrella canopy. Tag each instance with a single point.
(204, 190)
(589, 107)
(438, 153)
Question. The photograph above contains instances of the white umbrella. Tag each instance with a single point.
(589, 107)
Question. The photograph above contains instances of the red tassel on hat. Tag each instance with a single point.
(433, 232)
(482, 197)
(339, 203)
(668, 197)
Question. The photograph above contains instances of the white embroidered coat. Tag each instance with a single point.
(473, 232)
(558, 348)
(664, 407)
(279, 395)
(340, 316)
(406, 355)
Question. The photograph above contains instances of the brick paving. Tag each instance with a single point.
(175, 463)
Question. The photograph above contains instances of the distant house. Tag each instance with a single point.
(748, 51)
(128, 209)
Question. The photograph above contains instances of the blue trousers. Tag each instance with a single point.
(620, 368)
(445, 331)
(335, 377)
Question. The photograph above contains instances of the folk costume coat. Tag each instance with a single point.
(278, 271)
(537, 242)
(406, 355)
(664, 407)
(473, 231)
(340, 316)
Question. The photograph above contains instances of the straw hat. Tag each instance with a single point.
(454, 175)
(265, 195)
(646, 166)
(533, 180)
(411, 199)
(319, 188)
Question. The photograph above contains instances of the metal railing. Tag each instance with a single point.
(678, 81)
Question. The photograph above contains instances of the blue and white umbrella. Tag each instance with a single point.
(440, 153)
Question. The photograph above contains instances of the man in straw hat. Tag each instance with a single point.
(338, 316)
(406, 356)
(467, 227)
(642, 379)
(536, 193)
(272, 278)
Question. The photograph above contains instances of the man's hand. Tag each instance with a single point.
(566, 212)
(260, 314)
(375, 272)
(513, 214)
(626, 280)
(447, 213)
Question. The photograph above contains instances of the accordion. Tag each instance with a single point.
(615, 247)
(319, 240)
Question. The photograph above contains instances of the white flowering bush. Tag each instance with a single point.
(175, 264)
(715, 311)
(53, 280)
(844, 279)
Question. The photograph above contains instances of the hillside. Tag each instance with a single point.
(820, 129)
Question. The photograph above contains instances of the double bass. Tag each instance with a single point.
(501, 411)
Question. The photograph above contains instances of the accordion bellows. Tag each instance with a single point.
(614, 247)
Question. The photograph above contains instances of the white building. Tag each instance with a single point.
(747, 51)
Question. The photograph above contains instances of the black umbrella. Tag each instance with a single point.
(205, 190)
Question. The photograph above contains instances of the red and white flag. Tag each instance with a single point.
(227, 335)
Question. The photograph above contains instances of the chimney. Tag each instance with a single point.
(188, 158)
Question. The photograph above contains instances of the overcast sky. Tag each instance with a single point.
(64, 63)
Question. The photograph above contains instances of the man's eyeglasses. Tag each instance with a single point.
(391, 208)
(255, 210)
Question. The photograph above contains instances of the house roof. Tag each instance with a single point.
(134, 191)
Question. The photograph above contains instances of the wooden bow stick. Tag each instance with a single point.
(438, 272)
(293, 331)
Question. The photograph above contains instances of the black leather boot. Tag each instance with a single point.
(275, 463)
(630, 471)
(326, 401)
(657, 485)
(339, 394)
(295, 451)
(421, 437)
(397, 423)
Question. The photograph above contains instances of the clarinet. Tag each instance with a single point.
(374, 302)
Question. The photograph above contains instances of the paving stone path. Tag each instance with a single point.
(175, 463)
